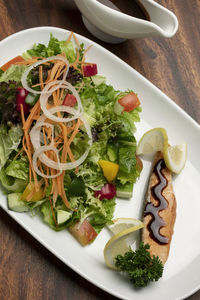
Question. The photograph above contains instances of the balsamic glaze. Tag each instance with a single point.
(157, 222)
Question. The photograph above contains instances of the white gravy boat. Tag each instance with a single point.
(104, 20)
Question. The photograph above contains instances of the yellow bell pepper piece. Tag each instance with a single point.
(36, 195)
(109, 169)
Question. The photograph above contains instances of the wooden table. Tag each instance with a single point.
(27, 270)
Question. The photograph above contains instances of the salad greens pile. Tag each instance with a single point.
(113, 141)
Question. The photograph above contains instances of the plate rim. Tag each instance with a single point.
(169, 100)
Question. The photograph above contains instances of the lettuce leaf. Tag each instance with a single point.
(98, 212)
(127, 159)
(54, 47)
(12, 184)
(18, 169)
(9, 141)
(14, 72)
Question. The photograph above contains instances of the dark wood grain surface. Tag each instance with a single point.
(27, 270)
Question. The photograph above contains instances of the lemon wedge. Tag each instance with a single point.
(121, 224)
(153, 140)
(175, 157)
(156, 139)
(124, 230)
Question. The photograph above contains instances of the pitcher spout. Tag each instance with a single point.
(164, 22)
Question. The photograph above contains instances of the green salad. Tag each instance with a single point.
(67, 145)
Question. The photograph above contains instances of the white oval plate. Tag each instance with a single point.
(181, 275)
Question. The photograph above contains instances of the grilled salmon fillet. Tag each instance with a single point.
(159, 210)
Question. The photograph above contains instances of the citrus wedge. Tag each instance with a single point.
(153, 140)
(124, 230)
(156, 139)
(175, 157)
(121, 224)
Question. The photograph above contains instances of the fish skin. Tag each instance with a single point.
(168, 214)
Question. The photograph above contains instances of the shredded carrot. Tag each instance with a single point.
(41, 76)
(36, 109)
(27, 61)
(76, 130)
(55, 195)
(28, 149)
(76, 40)
(20, 151)
(70, 36)
(88, 48)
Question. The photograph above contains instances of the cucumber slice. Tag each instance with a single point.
(63, 216)
(125, 191)
(15, 203)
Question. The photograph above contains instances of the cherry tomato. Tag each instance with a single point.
(70, 100)
(129, 102)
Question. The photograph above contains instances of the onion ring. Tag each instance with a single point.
(25, 74)
(37, 155)
(44, 99)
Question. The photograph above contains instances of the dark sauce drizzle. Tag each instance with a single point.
(157, 222)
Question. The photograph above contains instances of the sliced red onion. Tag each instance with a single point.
(44, 99)
(38, 153)
(108, 191)
(25, 74)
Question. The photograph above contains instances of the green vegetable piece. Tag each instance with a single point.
(127, 159)
(77, 188)
(13, 73)
(18, 169)
(9, 141)
(105, 93)
(16, 204)
(48, 217)
(12, 184)
(63, 216)
(67, 180)
(31, 99)
(68, 49)
(1, 72)
(112, 152)
(125, 190)
(140, 266)
(98, 79)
